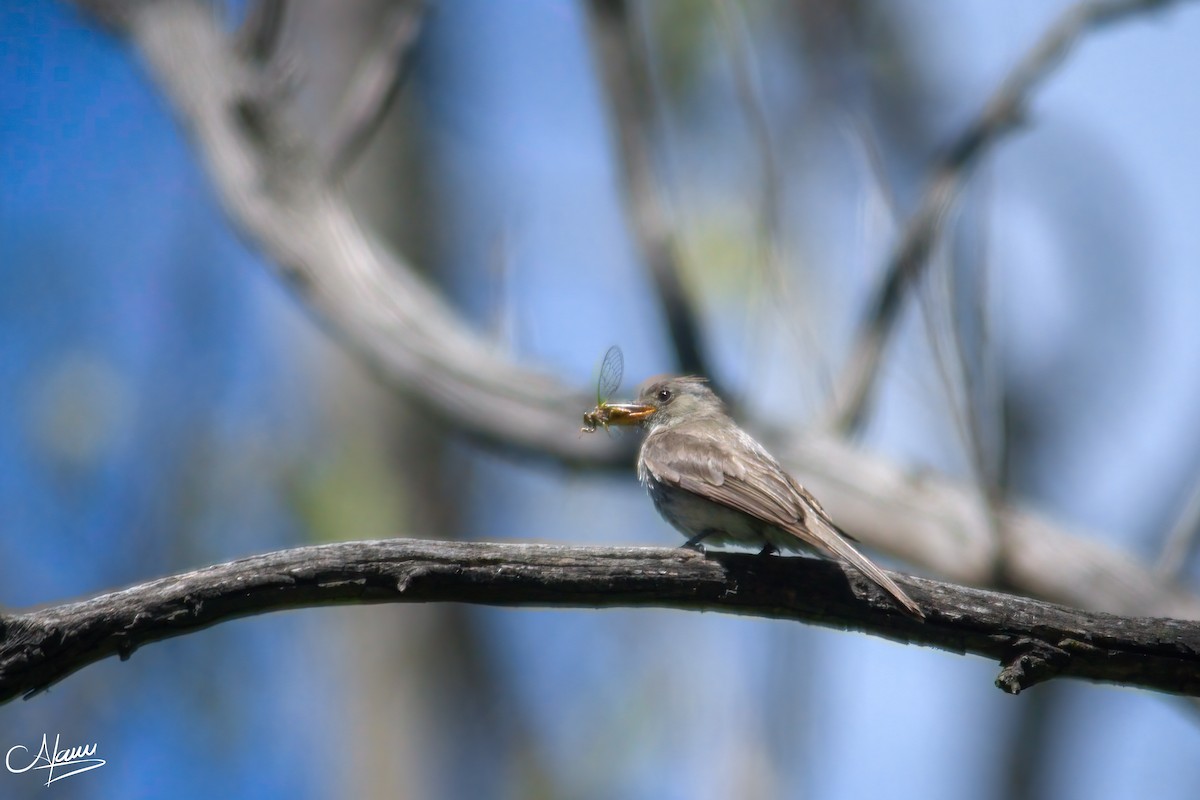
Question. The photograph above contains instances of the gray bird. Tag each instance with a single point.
(716, 484)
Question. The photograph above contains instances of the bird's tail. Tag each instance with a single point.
(835, 542)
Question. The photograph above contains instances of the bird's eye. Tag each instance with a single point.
(664, 395)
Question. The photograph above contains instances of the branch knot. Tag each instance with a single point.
(1028, 662)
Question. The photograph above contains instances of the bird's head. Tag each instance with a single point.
(667, 401)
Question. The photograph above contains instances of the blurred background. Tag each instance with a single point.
(166, 402)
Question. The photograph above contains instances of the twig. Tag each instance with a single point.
(1002, 113)
(746, 84)
(259, 34)
(1181, 538)
(768, 215)
(1033, 641)
(987, 464)
(374, 87)
(964, 410)
(627, 83)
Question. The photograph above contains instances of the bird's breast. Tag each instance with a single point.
(692, 515)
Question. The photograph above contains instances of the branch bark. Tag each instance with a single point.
(1033, 641)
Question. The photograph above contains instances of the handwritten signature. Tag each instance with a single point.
(81, 759)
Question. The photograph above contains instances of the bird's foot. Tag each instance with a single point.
(694, 543)
(769, 550)
(696, 546)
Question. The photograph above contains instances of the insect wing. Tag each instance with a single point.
(611, 370)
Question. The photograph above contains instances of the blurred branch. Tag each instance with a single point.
(622, 64)
(1033, 641)
(1002, 113)
(373, 303)
(1181, 539)
(370, 299)
(924, 519)
(259, 34)
(768, 214)
(746, 81)
(962, 392)
(374, 87)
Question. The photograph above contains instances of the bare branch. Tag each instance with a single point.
(768, 215)
(1002, 113)
(627, 83)
(1181, 539)
(746, 82)
(1032, 640)
(259, 34)
(952, 363)
(374, 87)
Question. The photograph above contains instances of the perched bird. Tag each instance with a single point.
(716, 484)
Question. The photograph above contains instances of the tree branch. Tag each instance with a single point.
(371, 92)
(1002, 114)
(1033, 641)
(1181, 539)
(622, 64)
(259, 34)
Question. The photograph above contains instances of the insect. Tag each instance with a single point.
(611, 370)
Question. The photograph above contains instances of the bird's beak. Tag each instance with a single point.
(627, 413)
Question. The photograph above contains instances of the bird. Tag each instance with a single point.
(714, 483)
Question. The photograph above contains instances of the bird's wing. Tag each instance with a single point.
(741, 475)
(744, 476)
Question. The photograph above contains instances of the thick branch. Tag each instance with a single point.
(1032, 640)
(1001, 114)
